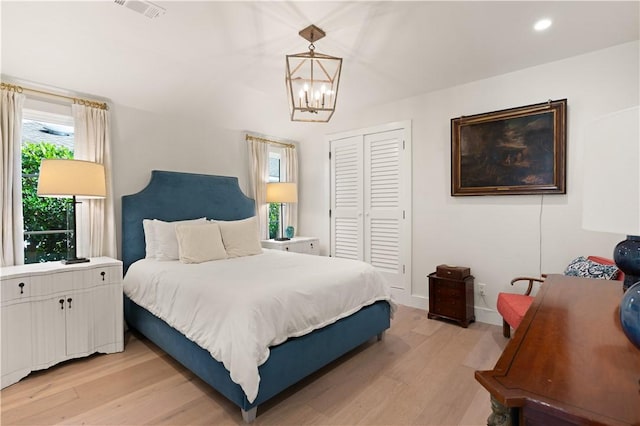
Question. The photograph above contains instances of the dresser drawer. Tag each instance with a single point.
(58, 282)
(453, 308)
(12, 289)
(444, 291)
(104, 275)
(307, 247)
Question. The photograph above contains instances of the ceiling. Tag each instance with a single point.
(213, 54)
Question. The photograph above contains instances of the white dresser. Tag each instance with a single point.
(53, 312)
(307, 245)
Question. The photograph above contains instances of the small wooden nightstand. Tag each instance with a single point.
(306, 245)
(451, 299)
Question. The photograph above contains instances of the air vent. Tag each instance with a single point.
(145, 8)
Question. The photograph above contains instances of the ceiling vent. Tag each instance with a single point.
(145, 8)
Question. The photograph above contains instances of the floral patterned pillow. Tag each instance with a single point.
(583, 267)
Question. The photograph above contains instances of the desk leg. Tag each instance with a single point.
(501, 415)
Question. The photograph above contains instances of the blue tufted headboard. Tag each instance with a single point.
(173, 196)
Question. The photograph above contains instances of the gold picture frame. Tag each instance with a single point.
(510, 152)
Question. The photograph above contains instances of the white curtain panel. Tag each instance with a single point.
(92, 142)
(290, 161)
(259, 176)
(11, 235)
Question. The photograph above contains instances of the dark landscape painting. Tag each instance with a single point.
(509, 154)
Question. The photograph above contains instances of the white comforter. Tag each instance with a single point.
(237, 308)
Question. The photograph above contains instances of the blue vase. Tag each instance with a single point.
(630, 313)
(289, 232)
(627, 257)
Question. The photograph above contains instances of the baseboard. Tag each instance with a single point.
(487, 316)
(402, 298)
(483, 314)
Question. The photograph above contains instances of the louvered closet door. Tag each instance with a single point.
(383, 200)
(347, 198)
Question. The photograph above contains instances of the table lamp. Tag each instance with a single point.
(72, 178)
(282, 192)
(611, 198)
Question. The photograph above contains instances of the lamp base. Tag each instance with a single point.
(627, 258)
(75, 260)
(282, 239)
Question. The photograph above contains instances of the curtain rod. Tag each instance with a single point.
(79, 101)
(263, 140)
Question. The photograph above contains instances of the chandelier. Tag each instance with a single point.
(312, 81)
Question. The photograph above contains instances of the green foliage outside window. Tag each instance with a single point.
(274, 219)
(42, 213)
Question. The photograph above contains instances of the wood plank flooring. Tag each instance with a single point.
(420, 374)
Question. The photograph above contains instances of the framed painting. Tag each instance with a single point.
(513, 151)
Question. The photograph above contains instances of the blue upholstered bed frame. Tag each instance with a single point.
(173, 196)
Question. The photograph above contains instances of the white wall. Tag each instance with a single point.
(497, 236)
(143, 141)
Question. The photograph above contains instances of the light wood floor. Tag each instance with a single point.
(420, 374)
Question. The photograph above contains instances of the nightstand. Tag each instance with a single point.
(306, 245)
(451, 299)
(53, 312)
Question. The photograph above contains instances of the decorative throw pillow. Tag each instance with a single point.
(199, 243)
(166, 243)
(583, 267)
(240, 237)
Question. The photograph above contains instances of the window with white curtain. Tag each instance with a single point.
(275, 163)
(47, 222)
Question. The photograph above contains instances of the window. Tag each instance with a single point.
(275, 155)
(47, 221)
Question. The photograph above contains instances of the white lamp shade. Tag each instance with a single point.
(282, 192)
(66, 178)
(611, 198)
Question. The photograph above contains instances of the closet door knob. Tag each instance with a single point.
(21, 285)
(61, 301)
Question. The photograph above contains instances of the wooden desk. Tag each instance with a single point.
(569, 361)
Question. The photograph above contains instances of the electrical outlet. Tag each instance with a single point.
(481, 289)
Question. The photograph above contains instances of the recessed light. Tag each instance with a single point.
(542, 24)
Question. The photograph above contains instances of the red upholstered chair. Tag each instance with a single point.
(513, 307)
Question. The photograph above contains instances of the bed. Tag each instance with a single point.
(173, 196)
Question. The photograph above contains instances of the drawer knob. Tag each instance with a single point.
(21, 285)
(61, 301)
(103, 273)
(311, 245)
(69, 302)
(286, 248)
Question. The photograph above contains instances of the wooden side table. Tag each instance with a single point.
(451, 299)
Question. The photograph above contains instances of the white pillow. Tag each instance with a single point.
(199, 243)
(149, 239)
(240, 237)
(164, 238)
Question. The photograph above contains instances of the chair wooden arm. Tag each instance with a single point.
(531, 281)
